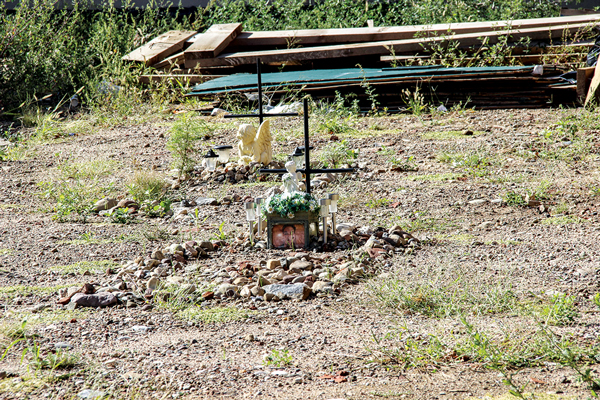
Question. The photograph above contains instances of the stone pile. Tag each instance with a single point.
(178, 271)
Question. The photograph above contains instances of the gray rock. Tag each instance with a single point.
(158, 255)
(272, 191)
(207, 245)
(224, 287)
(188, 288)
(90, 394)
(94, 300)
(105, 204)
(321, 286)
(297, 291)
(301, 265)
(206, 201)
(62, 345)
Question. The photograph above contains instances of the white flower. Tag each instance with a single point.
(270, 208)
(312, 207)
(290, 215)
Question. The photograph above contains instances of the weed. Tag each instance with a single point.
(156, 234)
(147, 187)
(14, 331)
(4, 252)
(561, 310)
(156, 210)
(185, 132)
(23, 290)
(278, 358)
(337, 153)
(419, 221)
(441, 299)
(563, 220)
(415, 101)
(376, 203)
(474, 163)
(94, 267)
(513, 198)
(221, 235)
(120, 216)
(436, 177)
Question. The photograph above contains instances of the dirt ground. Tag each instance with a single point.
(459, 202)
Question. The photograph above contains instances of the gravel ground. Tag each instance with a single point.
(336, 346)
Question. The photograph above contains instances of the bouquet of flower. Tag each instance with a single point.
(288, 206)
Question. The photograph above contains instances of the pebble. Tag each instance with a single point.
(90, 394)
(62, 345)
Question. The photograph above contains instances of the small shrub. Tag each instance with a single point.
(120, 216)
(185, 132)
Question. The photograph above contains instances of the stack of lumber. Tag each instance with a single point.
(483, 87)
(224, 49)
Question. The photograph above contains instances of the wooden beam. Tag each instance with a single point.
(584, 76)
(175, 59)
(311, 37)
(160, 47)
(212, 42)
(383, 47)
(592, 94)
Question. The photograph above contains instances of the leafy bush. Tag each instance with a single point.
(147, 186)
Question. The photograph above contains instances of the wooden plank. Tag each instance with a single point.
(584, 76)
(212, 42)
(381, 48)
(592, 94)
(183, 78)
(174, 60)
(160, 47)
(311, 37)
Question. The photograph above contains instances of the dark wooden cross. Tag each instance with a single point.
(307, 170)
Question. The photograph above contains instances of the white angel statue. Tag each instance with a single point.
(290, 180)
(255, 146)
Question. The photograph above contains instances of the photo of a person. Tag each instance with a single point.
(288, 236)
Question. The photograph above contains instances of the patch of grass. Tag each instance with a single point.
(563, 220)
(278, 358)
(94, 267)
(419, 221)
(4, 252)
(447, 135)
(436, 177)
(337, 153)
(76, 187)
(214, 315)
(24, 290)
(14, 331)
(376, 203)
(475, 163)
(440, 298)
(147, 186)
(561, 310)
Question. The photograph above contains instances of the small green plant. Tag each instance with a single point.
(156, 210)
(415, 101)
(120, 216)
(337, 153)
(278, 358)
(376, 203)
(221, 235)
(185, 133)
(560, 311)
(513, 198)
(147, 186)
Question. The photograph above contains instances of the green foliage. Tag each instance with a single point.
(513, 198)
(120, 216)
(156, 210)
(145, 186)
(185, 132)
(376, 203)
(288, 206)
(337, 153)
(278, 358)
(415, 101)
(221, 235)
(444, 299)
(561, 310)
(475, 163)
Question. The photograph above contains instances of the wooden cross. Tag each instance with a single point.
(307, 170)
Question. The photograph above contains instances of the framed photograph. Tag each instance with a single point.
(288, 236)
